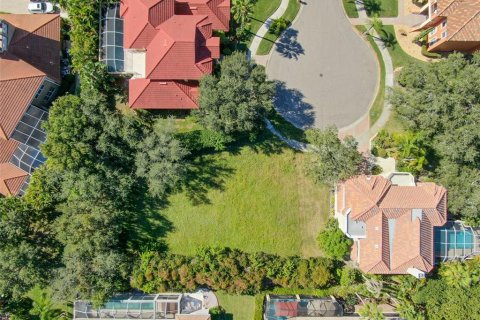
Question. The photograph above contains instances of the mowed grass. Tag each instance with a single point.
(350, 8)
(237, 307)
(268, 41)
(253, 197)
(261, 11)
(399, 57)
(388, 8)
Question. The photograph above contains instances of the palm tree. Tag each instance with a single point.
(242, 11)
(458, 274)
(43, 306)
(371, 311)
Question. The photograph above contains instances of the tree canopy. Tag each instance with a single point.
(236, 100)
(441, 101)
(333, 241)
(332, 159)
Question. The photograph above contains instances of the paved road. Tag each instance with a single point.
(328, 73)
(14, 6)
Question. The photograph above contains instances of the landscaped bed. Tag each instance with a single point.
(269, 40)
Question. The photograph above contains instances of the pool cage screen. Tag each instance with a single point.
(455, 240)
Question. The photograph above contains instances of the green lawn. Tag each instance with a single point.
(269, 40)
(286, 128)
(261, 11)
(377, 107)
(387, 8)
(255, 197)
(350, 8)
(237, 307)
(399, 57)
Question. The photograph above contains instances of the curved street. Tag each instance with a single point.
(327, 73)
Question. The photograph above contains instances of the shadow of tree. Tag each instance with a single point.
(288, 46)
(204, 173)
(289, 103)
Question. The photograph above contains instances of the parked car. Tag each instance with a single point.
(41, 7)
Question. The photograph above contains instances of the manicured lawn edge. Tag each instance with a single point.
(350, 8)
(286, 128)
(269, 40)
(261, 11)
(389, 8)
(399, 57)
(377, 106)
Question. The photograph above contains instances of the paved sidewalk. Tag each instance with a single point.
(264, 28)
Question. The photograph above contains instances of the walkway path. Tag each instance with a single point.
(262, 31)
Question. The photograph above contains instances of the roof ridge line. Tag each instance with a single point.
(186, 93)
(54, 16)
(165, 54)
(463, 26)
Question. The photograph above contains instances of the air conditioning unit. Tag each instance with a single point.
(419, 274)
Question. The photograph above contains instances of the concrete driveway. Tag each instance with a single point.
(327, 73)
(14, 6)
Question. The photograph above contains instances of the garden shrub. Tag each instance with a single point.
(429, 54)
(333, 242)
(278, 26)
(232, 271)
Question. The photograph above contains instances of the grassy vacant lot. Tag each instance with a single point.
(237, 307)
(269, 40)
(350, 8)
(261, 11)
(252, 197)
(387, 8)
(399, 57)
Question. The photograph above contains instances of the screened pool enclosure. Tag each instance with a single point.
(455, 240)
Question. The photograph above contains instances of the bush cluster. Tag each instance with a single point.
(232, 271)
(278, 26)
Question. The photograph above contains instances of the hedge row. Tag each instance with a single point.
(232, 271)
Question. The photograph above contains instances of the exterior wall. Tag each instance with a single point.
(45, 94)
(462, 46)
(438, 34)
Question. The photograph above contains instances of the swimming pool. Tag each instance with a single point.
(455, 240)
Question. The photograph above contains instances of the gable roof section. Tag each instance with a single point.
(19, 82)
(157, 94)
(218, 11)
(463, 18)
(172, 54)
(11, 177)
(141, 17)
(36, 40)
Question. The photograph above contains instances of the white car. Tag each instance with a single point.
(41, 7)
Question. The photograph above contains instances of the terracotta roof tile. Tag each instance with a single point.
(11, 179)
(157, 94)
(463, 18)
(399, 222)
(218, 11)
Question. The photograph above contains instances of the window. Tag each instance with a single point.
(49, 94)
(39, 90)
(444, 23)
(444, 34)
(434, 30)
(433, 40)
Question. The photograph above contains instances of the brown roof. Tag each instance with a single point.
(463, 18)
(19, 82)
(399, 222)
(11, 177)
(36, 40)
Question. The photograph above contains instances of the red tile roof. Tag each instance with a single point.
(11, 177)
(179, 48)
(398, 235)
(157, 94)
(218, 11)
(36, 40)
(19, 82)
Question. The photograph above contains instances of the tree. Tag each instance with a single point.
(331, 159)
(236, 100)
(371, 311)
(333, 241)
(160, 158)
(28, 250)
(43, 307)
(241, 12)
(461, 274)
(441, 102)
(278, 26)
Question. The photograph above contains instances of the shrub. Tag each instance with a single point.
(333, 242)
(429, 54)
(278, 26)
(232, 271)
(349, 276)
